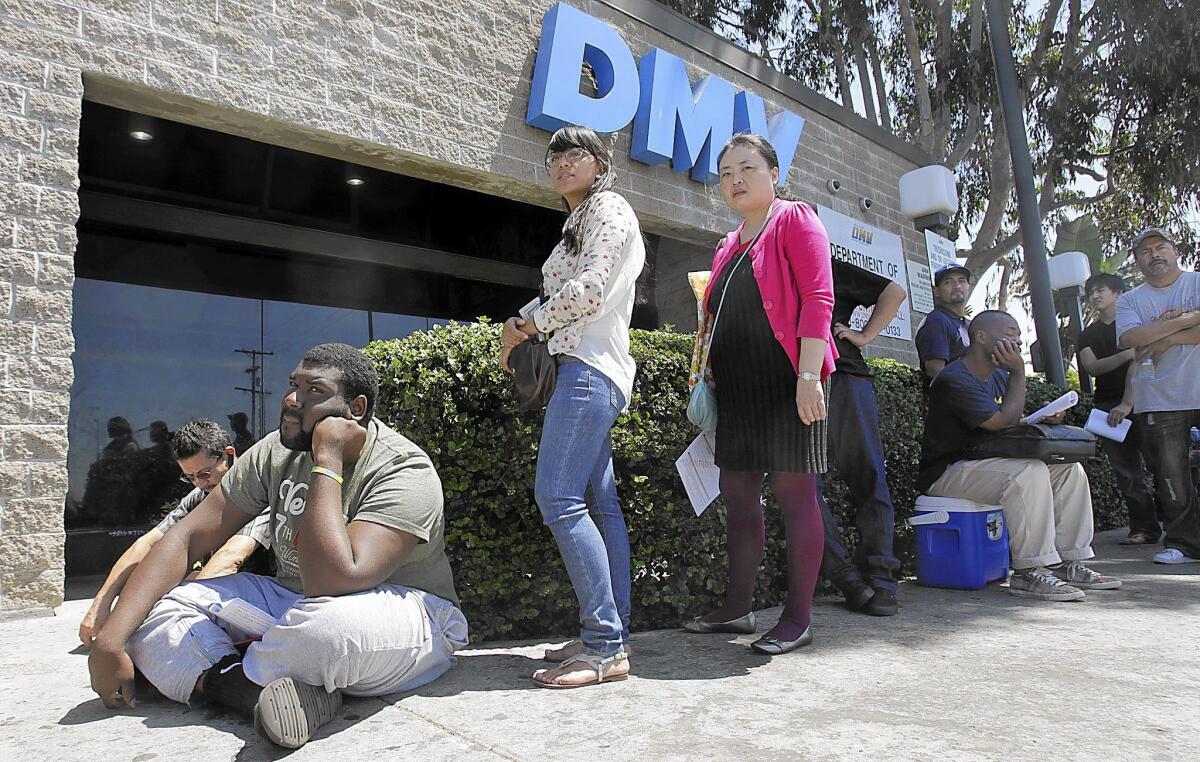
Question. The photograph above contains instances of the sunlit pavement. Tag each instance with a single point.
(962, 675)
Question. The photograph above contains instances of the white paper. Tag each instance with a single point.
(1064, 402)
(243, 616)
(527, 311)
(700, 475)
(1097, 423)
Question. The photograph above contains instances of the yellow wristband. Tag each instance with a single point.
(326, 472)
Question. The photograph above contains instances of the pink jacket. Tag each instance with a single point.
(795, 279)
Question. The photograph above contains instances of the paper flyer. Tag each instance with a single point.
(1064, 402)
(1097, 423)
(700, 475)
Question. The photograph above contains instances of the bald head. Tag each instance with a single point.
(994, 323)
(988, 329)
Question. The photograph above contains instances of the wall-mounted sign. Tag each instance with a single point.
(872, 249)
(672, 118)
(920, 292)
(942, 252)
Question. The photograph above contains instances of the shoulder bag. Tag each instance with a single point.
(1051, 444)
(702, 401)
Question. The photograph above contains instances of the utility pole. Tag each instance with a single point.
(1044, 317)
(256, 390)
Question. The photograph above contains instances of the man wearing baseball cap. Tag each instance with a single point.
(942, 336)
(1161, 320)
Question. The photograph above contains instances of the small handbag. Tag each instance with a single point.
(702, 400)
(1051, 444)
(535, 372)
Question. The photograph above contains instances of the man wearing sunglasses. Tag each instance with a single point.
(204, 453)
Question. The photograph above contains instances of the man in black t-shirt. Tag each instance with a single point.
(856, 448)
(1048, 508)
(1100, 356)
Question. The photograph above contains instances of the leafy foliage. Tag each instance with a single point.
(1111, 91)
(444, 390)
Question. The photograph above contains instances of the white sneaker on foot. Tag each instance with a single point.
(1173, 556)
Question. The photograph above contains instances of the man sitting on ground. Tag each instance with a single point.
(364, 599)
(204, 453)
(1048, 508)
(1110, 365)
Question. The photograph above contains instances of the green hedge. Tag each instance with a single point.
(444, 390)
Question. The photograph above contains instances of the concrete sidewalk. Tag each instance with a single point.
(963, 675)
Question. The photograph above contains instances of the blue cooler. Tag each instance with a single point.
(960, 544)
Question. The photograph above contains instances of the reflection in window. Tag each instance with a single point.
(148, 359)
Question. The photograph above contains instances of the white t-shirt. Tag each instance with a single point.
(1174, 382)
(590, 293)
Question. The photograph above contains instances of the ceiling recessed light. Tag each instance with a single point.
(355, 181)
(141, 135)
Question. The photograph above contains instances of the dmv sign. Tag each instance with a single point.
(673, 119)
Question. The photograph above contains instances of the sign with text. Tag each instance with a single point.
(942, 252)
(673, 119)
(874, 250)
(920, 292)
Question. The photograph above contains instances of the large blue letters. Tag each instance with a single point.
(569, 38)
(672, 118)
(675, 121)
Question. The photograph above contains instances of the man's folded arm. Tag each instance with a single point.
(203, 530)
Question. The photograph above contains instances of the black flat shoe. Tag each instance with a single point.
(772, 646)
(741, 626)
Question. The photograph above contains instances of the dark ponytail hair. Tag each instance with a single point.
(573, 136)
(763, 148)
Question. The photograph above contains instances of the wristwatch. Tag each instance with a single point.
(807, 376)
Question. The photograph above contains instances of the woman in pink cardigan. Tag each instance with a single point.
(770, 355)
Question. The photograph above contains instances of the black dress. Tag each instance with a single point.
(758, 428)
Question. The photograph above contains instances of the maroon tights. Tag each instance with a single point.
(797, 495)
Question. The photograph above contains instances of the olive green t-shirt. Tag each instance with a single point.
(393, 484)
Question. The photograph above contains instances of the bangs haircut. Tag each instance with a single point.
(1114, 283)
(754, 142)
(199, 435)
(358, 373)
(573, 136)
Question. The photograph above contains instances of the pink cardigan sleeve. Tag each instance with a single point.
(807, 247)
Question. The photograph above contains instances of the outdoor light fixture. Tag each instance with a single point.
(355, 181)
(834, 185)
(140, 135)
(865, 204)
(1071, 268)
(929, 197)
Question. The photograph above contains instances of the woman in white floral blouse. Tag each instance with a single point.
(589, 284)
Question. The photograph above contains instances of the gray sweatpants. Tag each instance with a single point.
(384, 640)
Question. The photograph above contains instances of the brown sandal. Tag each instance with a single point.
(569, 649)
(545, 678)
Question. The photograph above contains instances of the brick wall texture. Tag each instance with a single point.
(404, 83)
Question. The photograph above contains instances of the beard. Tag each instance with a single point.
(301, 441)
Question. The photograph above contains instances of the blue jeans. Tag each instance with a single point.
(856, 451)
(1130, 472)
(1165, 439)
(576, 453)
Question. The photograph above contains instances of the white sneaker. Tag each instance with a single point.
(1173, 556)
